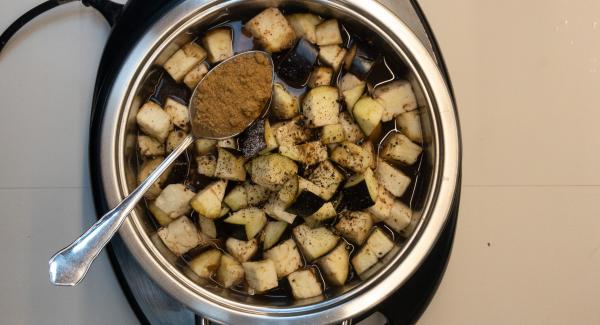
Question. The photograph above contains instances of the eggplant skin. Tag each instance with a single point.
(253, 141)
(297, 65)
(306, 204)
(357, 197)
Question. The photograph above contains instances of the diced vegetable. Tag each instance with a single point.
(207, 165)
(286, 258)
(333, 133)
(335, 265)
(206, 264)
(174, 200)
(230, 271)
(174, 139)
(321, 76)
(241, 250)
(328, 33)
(397, 147)
(360, 191)
(375, 248)
(154, 121)
(367, 113)
(368, 147)
(208, 201)
(304, 25)
(272, 171)
(409, 124)
(306, 185)
(363, 61)
(285, 105)
(351, 89)
(179, 114)
(306, 204)
(305, 284)
(207, 227)
(204, 146)
(150, 147)
(184, 60)
(237, 198)
(396, 98)
(351, 156)
(192, 78)
(253, 219)
(273, 232)
(179, 236)
(160, 216)
(269, 138)
(321, 107)
(383, 205)
(272, 31)
(230, 143)
(291, 132)
(314, 243)
(218, 42)
(400, 216)
(230, 167)
(352, 131)
(148, 167)
(393, 179)
(355, 226)
(328, 178)
(309, 153)
(261, 276)
(350, 54)
(275, 208)
(287, 194)
(257, 194)
(296, 66)
(332, 55)
(253, 140)
(326, 212)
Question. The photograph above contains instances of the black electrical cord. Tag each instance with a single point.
(108, 9)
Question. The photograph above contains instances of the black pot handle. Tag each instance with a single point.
(110, 10)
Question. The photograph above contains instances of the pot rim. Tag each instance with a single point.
(446, 153)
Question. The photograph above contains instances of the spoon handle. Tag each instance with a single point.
(70, 265)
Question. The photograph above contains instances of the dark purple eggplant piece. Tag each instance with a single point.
(253, 141)
(166, 87)
(363, 62)
(296, 66)
(306, 204)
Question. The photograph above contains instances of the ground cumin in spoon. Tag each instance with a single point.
(232, 96)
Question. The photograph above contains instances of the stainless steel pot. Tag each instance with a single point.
(439, 177)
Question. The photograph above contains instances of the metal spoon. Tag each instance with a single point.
(70, 265)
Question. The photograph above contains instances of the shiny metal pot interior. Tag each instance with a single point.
(439, 176)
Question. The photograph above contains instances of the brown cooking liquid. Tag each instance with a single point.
(184, 172)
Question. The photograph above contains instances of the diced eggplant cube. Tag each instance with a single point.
(355, 226)
(327, 177)
(257, 194)
(179, 114)
(333, 133)
(296, 66)
(272, 171)
(332, 55)
(304, 25)
(272, 31)
(308, 154)
(208, 201)
(206, 264)
(204, 146)
(174, 200)
(306, 185)
(288, 193)
(253, 140)
(180, 236)
(306, 204)
(174, 140)
(360, 191)
(273, 232)
(150, 147)
(367, 112)
(352, 89)
(184, 60)
(350, 54)
(291, 132)
(328, 33)
(269, 139)
(370, 150)
(363, 62)
(237, 198)
(393, 179)
(326, 212)
(230, 167)
(351, 156)
(286, 258)
(241, 250)
(374, 249)
(396, 98)
(261, 276)
(193, 78)
(409, 124)
(314, 243)
(154, 121)
(229, 143)
(219, 44)
(230, 271)
(253, 220)
(335, 265)
(352, 131)
(207, 227)
(321, 76)
(159, 215)
(305, 284)
(383, 205)
(275, 208)
(400, 216)
(207, 165)
(148, 167)
(321, 107)
(398, 147)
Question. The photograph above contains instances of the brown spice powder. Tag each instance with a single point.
(232, 96)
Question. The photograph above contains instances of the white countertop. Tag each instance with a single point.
(527, 248)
